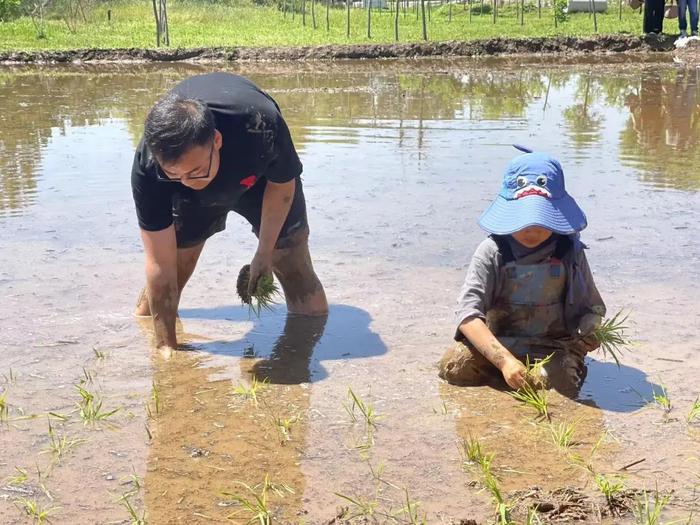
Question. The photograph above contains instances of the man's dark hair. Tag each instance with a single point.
(175, 124)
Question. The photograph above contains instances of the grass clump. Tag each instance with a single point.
(255, 500)
(612, 336)
(263, 296)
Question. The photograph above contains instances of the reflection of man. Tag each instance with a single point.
(216, 143)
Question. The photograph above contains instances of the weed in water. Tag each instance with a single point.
(562, 434)
(612, 336)
(609, 486)
(533, 397)
(90, 407)
(31, 508)
(255, 500)
(694, 412)
(265, 291)
(647, 511)
(252, 391)
(19, 478)
(60, 445)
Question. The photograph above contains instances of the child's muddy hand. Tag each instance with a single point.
(515, 373)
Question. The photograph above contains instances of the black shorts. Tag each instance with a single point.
(194, 223)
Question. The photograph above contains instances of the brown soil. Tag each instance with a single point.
(489, 47)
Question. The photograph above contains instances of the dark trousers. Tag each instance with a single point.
(653, 16)
(692, 6)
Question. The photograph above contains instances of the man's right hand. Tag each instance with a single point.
(514, 372)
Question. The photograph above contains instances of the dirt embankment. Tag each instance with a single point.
(494, 46)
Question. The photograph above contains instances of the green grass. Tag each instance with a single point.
(207, 24)
(251, 392)
(255, 500)
(90, 407)
(662, 399)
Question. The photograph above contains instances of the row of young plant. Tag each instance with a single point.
(89, 408)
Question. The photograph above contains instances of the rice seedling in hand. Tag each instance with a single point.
(610, 487)
(263, 296)
(251, 392)
(612, 336)
(694, 412)
(648, 512)
(90, 407)
(562, 434)
(37, 514)
(255, 501)
(60, 445)
(535, 398)
(535, 374)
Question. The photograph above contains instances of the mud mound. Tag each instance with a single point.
(489, 47)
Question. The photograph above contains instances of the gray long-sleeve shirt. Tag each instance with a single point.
(483, 281)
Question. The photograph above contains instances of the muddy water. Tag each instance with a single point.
(400, 159)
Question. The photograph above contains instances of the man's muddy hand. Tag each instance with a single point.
(260, 266)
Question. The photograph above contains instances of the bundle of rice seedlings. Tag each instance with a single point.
(262, 298)
(612, 336)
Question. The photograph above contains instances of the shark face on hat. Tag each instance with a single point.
(533, 194)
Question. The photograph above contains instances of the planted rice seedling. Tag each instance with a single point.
(4, 409)
(647, 511)
(503, 508)
(410, 510)
(252, 391)
(473, 453)
(366, 410)
(134, 516)
(90, 407)
(265, 291)
(662, 399)
(612, 336)
(535, 398)
(19, 478)
(283, 426)
(532, 517)
(694, 412)
(37, 514)
(610, 487)
(562, 434)
(255, 500)
(360, 507)
(60, 445)
(88, 377)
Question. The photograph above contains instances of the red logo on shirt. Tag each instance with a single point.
(249, 181)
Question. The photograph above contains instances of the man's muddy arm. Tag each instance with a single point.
(161, 283)
(481, 337)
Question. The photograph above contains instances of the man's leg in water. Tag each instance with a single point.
(186, 261)
(293, 267)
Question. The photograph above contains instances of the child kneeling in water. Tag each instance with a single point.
(529, 291)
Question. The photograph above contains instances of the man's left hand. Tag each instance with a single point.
(260, 266)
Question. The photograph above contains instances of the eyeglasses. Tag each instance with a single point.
(162, 177)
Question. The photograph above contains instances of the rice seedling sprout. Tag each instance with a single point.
(90, 407)
(647, 511)
(534, 398)
(694, 412)
(19, 478)
(37, 514)
(255, 500)
(562, 434)
(251, 392)
(609, 486)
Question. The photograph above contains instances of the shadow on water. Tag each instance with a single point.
(623, 389)
(288, 349)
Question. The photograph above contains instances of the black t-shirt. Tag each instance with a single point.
(256, 146)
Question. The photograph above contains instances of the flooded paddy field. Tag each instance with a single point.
(400, 158)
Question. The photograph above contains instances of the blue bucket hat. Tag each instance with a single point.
(533, 194)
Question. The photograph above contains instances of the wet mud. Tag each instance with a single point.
(490, 47)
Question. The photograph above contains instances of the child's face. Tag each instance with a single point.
(532, 236)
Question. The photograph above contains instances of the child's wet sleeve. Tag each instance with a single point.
(477, 293)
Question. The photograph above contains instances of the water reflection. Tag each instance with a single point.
(654, 111)
(663, 131)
